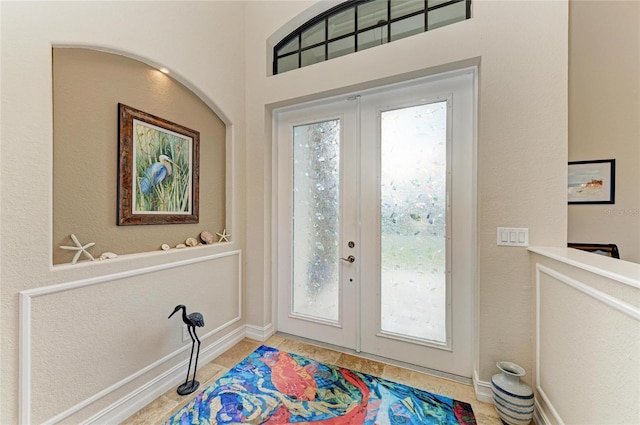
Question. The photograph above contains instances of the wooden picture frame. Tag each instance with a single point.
(608, 250)
(592, 182)
(158, 170)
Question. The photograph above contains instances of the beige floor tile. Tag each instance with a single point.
(314, 352)
(153, 413)
(210, 371)
(485, 413)
(397, 374)
(486, 419)
(237, 353)
(274, 341)
(360, 364)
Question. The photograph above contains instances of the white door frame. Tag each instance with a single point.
(276, 241)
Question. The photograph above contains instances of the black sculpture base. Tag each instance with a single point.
(188, 387)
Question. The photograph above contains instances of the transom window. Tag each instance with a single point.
(360, 24)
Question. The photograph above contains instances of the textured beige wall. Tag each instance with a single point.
(604, 117)
(522, 142)
(87, 87)
(192, 40)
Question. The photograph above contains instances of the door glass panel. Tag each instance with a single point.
(316, 183)
(413, 221)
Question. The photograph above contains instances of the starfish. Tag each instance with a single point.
(223, 236)
(79, 248)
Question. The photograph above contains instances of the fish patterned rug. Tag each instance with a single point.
(275, 388)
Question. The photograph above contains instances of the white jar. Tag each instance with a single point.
(512, 397)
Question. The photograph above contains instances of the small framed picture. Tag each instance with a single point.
(158, 170)
(592, 182)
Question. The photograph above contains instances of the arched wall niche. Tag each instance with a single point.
(157, 66)
(88, 84)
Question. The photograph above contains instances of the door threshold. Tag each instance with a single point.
(421, 369)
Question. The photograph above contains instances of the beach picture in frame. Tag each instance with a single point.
(592, 182)
(158, 170)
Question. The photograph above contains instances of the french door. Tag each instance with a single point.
(375, 221)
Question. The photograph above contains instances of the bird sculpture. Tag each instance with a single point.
(192, 321)
(156, 173)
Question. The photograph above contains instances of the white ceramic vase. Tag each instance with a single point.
(512, 397)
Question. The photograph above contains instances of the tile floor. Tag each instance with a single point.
(166, 405)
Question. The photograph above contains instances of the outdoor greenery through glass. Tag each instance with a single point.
(361, 24)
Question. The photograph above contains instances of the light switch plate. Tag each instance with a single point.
(513, 236)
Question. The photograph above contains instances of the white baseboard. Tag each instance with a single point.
(482, 389)
(259, 333)
(539, 417)
(139, 398)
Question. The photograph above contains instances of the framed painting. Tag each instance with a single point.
(158, 170)
(592, 182)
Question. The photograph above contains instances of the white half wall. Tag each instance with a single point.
(587, 338)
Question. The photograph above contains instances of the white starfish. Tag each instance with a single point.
(79, 248)
(223, 236)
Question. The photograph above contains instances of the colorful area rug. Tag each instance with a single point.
(275, 388)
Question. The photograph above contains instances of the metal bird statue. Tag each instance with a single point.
(191, 320)
(156, 173)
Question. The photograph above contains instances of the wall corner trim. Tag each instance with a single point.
(482, 389)
(259, 333)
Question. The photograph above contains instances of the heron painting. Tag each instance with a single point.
(192, 321)
(156, 173)
(162, 161)
(158, 170)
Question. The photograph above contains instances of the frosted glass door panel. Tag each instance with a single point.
(413, 221)
(316, 184)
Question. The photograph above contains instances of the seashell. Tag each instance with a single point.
(165, 247)
(191, 242)
(108, 255)
(206, 237)
(181, 245)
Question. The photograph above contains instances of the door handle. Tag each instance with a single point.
(349, 259)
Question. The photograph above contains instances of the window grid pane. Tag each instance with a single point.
(291, 46)
(311, 56)
(446, 15)
(287, 63)
(313, 35)
(341, 47)
(402, 8)
(372, 22)
(407, 27)
(342, 23)
(372, 38)
(372, 13)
